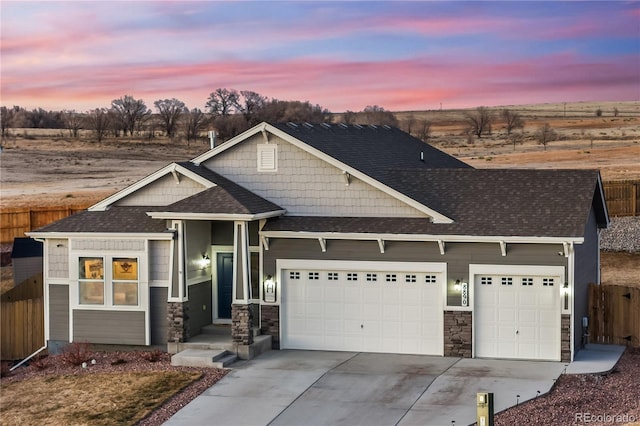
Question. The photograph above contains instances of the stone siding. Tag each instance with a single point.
(178, 322)
(565, 338)
(270, 315)
(241, 319)
(457, 333)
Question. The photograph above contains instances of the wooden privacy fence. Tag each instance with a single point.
(623, 197)
(614, 315)
(22, 315)
(15, 222)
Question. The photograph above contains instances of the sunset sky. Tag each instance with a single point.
(342, 55)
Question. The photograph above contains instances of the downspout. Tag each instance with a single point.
(40, 240)
(29, 357)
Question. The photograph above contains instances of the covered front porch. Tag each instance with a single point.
(215, 293)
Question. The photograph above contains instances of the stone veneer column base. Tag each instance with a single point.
(178, 322)
(565, 338)
(457, 334)
(241, 320)
(270, 316)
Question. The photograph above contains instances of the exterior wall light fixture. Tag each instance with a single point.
(270, 289)
(205, 262)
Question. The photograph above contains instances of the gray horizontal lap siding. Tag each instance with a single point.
(158, 315)
(586, 266)
(458, 256)
(59, 312)
(109, 327)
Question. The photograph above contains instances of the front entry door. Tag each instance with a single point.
(225, 284)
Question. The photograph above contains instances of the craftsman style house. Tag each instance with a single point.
(337, 237)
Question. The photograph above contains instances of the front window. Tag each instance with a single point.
(125, 281)
(91, 280)
(117, 285)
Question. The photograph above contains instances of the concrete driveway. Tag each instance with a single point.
(344, 388)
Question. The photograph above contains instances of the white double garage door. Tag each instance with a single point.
(363, 306)
(397, 307)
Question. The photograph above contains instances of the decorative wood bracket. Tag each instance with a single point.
(381, 245)
(503, 248)
(441, 246)
(323, 244)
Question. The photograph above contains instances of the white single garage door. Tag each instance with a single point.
(517, 315)
(365, 308)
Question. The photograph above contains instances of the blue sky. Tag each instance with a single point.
(341, 55)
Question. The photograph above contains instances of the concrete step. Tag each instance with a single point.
(203, 358)
(256, 331)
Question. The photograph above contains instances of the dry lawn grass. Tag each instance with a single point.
(105, 399)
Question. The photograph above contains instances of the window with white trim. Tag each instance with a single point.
(125, 281)
(547, 282)
(294, 275)
(91, 280)
(371, 277)
(391, 278)
(332, 276)
(430, 279)
(352, 276)
(486, 280)
(314, 275)
(117, 286)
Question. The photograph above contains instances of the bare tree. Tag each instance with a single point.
(223, 102)
(599, 112)
(99, 121)
(73, 121)
(545, 134)
(170, 111)
(377, 115)
(616, 111)
(512, 120)
(295, 111)
(479, 121)
(195, 121)
(516, 138)
(423, 130)
(130, 112)
(250, 104)
(7, 116)
(349, 117)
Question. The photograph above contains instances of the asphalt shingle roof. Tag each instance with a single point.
(371, 149)
(506, 202)
(226, 197)
(116, 219)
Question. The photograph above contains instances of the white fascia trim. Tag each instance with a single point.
(266, 127)
(214, 216)
(436, 217)
(112, 235)
(172, 168)
(440, 239)
(262, 127)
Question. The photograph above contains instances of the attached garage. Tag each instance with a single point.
(391, 307)
(517, 311)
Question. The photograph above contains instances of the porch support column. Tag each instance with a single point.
(241, 316)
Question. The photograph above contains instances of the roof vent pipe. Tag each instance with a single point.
(212, 138)
(421, 155)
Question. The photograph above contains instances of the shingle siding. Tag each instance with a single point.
(58, 252)
(100, 245)
(304, 184)
(159, 260)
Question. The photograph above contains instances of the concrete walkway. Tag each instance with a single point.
(596, 358)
